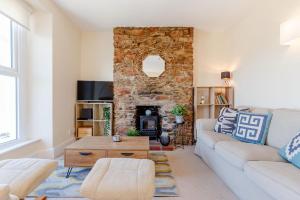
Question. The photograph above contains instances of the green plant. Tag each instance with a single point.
(179, 110)
(133, 132)
(106, 113)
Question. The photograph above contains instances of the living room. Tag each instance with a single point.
(201, 94)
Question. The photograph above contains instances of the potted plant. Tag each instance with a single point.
(133, 132)
(179, 111)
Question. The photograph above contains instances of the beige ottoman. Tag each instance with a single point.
(22, 176)
(120, 178)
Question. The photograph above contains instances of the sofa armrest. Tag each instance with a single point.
(205, 125)
(4, 193)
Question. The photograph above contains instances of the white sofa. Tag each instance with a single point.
(253, 171)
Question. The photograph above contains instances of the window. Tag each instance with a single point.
(9, 77)
(5, 41)
(8, 111)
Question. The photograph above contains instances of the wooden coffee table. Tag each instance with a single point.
(86, 151)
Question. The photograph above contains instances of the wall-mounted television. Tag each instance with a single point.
(95, 91)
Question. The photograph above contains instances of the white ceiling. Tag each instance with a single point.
(207, 15)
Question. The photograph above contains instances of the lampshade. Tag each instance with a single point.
(225, 75)
(289, 31)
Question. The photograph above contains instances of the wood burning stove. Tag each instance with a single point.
(148, 123)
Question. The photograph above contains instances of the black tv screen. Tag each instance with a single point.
(94, 90)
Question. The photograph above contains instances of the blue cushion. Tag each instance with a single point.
(252, 127)
(226, 122)
(291, 151)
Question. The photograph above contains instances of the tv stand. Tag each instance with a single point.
(99, 124)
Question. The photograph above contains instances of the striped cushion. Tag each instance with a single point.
(226, 121)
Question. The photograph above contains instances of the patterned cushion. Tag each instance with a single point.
(226, 121)
(291, 151)
(252, 127)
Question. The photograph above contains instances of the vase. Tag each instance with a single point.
(165, 139)
(179, 119)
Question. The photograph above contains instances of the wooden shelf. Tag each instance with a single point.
(101, 124)
(209, 94)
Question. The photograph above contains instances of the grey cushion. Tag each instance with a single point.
(280, 180)
(239, 153)
(210, 138)
(284, 125)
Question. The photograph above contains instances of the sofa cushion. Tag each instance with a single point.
(226, 121)
(291, 151)
(24, 175)
(280, 180)
(252, 127)
(238, 153)
(220, 118)
(284, 125)
(210, 138)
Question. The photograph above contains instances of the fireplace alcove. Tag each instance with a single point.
(148, 125)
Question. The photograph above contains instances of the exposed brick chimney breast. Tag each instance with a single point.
(132, 87)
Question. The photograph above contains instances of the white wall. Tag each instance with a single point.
(265, 73)
(38, 74)
(66, 70)
(97, 55)
(210, 58)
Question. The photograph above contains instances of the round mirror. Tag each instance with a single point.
(153, 65)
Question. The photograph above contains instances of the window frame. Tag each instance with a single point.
(13, 71)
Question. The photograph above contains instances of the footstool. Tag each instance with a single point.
(19, 177)
(120, 178)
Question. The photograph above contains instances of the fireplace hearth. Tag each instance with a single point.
(148, 121)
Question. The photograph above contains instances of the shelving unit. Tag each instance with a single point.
(206, 103)
(100, 123)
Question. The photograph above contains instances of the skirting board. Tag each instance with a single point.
(54, 152)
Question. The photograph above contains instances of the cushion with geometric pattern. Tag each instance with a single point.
(226, 121)
(291, 151)
(252, 127)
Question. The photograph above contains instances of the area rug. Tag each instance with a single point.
(57, 186)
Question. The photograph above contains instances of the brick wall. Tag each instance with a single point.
(133, 87)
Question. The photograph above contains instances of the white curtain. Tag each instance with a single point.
(19, 61)
(19, 46)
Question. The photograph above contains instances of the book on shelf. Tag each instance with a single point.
(224, 99)
(221, 99)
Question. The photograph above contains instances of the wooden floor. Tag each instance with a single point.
(194, 179)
